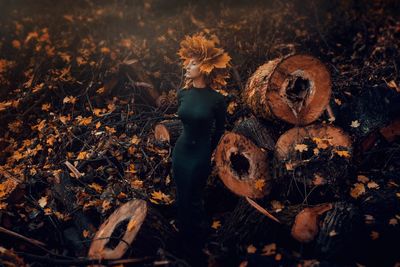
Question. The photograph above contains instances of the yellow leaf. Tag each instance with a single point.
(70, 99)
(98, 124)
(85, 233)
(42, 201)
(106, 205)
(131, 225)
(362, 178)
(137, 184)
(357, 190)
(343, 153)
(82, 155)
(84, 121)
(50, 140)
(355, 124)
(46, 107)
(276, 205)
(158, 195)
(372, 185)
(393, 221)
(16, 44)
(216, 224)
(64, 119)
(15, 126)
(251, 249)
(96, 187)
(259, 184)
(301, 147)
(110, 130)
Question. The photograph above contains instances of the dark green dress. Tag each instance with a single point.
(199, 109)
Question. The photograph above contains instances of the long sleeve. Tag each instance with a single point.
(220, 119)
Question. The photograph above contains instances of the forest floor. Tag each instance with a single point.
(67, 95)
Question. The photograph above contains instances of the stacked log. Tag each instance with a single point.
(295, 89)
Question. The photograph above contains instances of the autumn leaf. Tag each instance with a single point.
(46, 106)
(158, 195)
(301, 147)
(85, 233)
(136, 184)
(82, 155)
(96, 187)
(42, 201)
(372, 185)
(355, 124)
(362, 178)
(216, 224)
(131, 225)
(251, 249)
(357, 190)
(84, 120)
(70, 99)
(342, 153)
(259, 184)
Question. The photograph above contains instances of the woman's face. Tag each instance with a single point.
(193, 69)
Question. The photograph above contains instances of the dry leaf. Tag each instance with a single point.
(259, 184)
(251, 249)
(357, 190)
(42, 201)
(216, 224)
(355, 124)
(301, 147)
(362, 178)
(131, 225)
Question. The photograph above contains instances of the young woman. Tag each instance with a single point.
(199, 107)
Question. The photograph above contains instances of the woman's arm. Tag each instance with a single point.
(220, 118)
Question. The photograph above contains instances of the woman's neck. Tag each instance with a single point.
(199, 83)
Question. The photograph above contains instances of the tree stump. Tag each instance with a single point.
(241, 159)
(295, 89)
(168, 131)
(311, 164)
(134, 225)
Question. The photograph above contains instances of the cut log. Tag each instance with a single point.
(311, 163)
(241, 159)
(305, 226)
(296, 89)
(168, 131)
(133, 225)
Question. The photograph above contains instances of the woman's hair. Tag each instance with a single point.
(214, 62)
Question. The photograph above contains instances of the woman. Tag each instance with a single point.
(199, 107)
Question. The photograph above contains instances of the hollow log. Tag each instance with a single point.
(136, 226)
(241, 159)
(294, 88)
(168, 131)
(311, 164)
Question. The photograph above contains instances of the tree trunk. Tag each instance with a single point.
(311, 164)
(241, 159)
(168, 131)
(295, 89)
